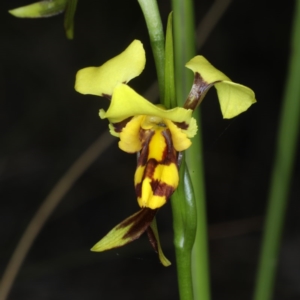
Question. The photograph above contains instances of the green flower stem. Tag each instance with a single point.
(282, 172)
(169, 100)
(183, 200)
(184, 217)
(200, 260)
(184, 45)
(157, 39)
(184, 36)
(184, 224)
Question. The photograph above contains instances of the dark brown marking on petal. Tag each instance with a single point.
(150, 168)
(138, 189)
(182, 125)
(198, 92)
(162, 189)
(170, 154)
(140, 222)
(168, 139)
(152, 239)
(106, 96)
(120, 125)
(145, 135)
(143, 157)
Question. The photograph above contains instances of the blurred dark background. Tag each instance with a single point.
(46, 125)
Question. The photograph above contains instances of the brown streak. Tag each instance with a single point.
(198, 91)
(142, 160)
(140, 222)
(152, 239)
(160, 188)
(170, 154)
(120, 125)
(106, 96)
(182, 125)
(138, 189)
(150, 168)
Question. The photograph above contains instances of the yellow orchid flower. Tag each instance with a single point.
(156, 134)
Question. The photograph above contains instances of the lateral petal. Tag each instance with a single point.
(206, 70)
(129, 136)
(234, 98)
(120, 69)
(179, 137)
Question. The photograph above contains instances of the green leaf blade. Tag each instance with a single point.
(42, 9)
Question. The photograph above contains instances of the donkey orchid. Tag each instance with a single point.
(156, 134)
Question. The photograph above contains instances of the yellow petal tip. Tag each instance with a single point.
(120, 69)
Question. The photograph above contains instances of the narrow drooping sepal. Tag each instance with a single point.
(155, 242)
(101, 81)
(127, 231)
(234, 98)
(40, 9)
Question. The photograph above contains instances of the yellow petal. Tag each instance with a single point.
(157, 146)
(179, 137)
(129, 136)
(191, 131)
(166, 180)
(147, 198)
(120, 69)
(206, 70)
(234, 98)
(138, 176)
(126, 103)
(167, 174)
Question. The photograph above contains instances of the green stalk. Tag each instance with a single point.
(157, 39)
(184, 36)
(183, 203)
(200, 259)
(185, 47)
(184, 224)
(282, 170)
(183, 200)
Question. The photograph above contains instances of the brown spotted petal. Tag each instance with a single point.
(156, 176)
(127, 231)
